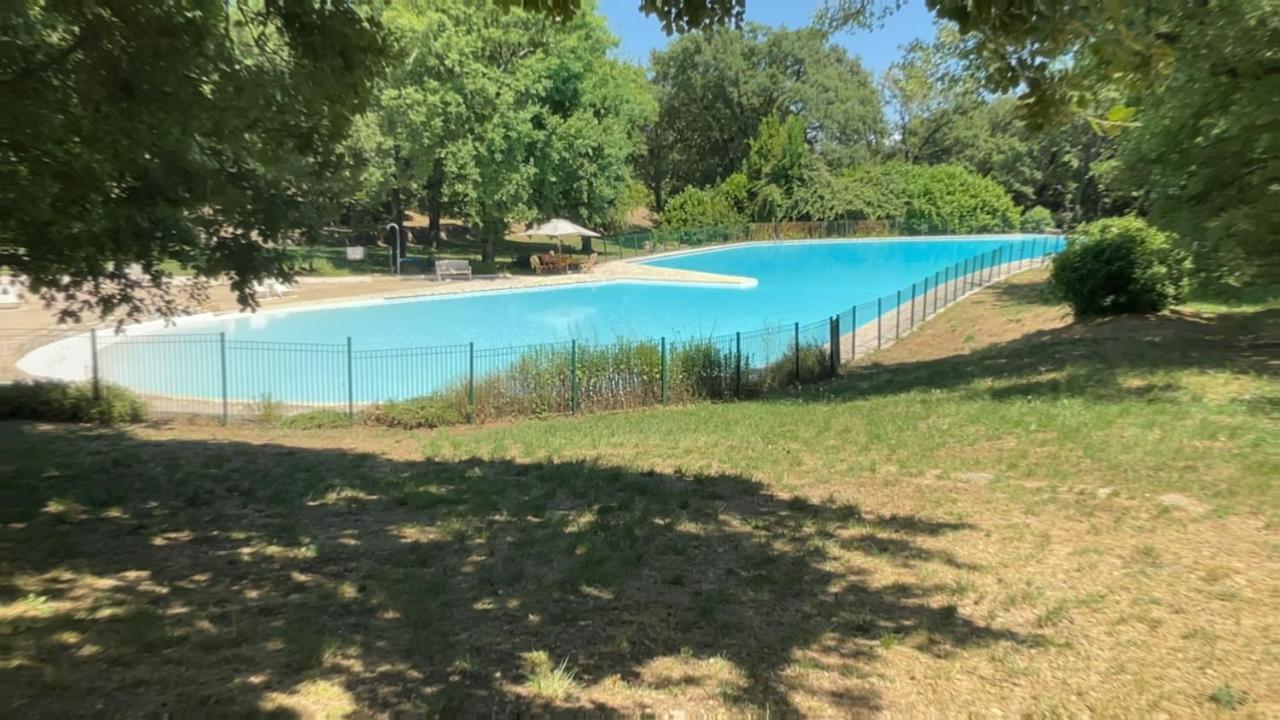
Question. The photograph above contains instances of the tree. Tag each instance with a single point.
(1205, 155)
(1195, 117)
(675, 15)
(138, 132)
(591, 117)
(210, 134)
(716, 87)
(503, 117)
(777, 163)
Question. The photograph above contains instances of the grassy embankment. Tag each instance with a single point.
(1006, 511)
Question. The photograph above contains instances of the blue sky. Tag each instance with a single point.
(878, 48)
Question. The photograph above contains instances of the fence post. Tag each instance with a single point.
(853, 333)
(471, 382)
(222, 351)
(911, 324)
(93, 363)
(946, 286)
(737, 365)
(662, 370)
(573, 377)
(796, 351)
(351, 389)
(835, 345)
(897, 317)
(879, 321)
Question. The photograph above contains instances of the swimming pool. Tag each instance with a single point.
(407, 347)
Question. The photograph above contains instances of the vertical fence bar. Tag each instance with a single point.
(471, 382)
(222, 352)
(662, 370)
(351, 388)
(853, 333)
(573, 377)
(897, 318)
(737, 364)
(946, 286)
(911, 325)
(93, 363)
(835, 345)
(879, 322)
(796, 352)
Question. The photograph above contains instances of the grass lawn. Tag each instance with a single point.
(1007, 513)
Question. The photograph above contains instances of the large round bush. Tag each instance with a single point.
(699, 208)
(1119, 265)
(951, 199)
(1037, 220)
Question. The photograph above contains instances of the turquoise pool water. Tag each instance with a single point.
(795, 282)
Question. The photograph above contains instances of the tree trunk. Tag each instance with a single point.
(435, 204)
(488, 242)
(586, 245)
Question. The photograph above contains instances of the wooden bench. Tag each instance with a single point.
(452, 268)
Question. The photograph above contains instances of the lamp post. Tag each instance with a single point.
(395, 249)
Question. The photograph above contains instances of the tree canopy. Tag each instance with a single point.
(715, 88)
(141, 132)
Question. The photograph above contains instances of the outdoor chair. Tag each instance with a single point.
(272, 287)
(536, 264)
(452, 268)
(590, 263)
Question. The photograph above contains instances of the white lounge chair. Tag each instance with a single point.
(452, 268)
(272, 287)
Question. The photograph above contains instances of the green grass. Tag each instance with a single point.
(1054, 518)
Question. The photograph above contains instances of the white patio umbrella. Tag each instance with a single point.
(559, 228)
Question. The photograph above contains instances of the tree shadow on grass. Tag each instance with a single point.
(1092, 358)
(151, 577)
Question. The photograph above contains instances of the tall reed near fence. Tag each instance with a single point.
(213, 374)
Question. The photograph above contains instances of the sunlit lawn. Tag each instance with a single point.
(1007, 512)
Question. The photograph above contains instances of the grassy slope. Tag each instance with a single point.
(1007, 511)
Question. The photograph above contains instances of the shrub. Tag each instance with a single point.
(699, 208)
(1037, 220)
(736, 190)
(920, 198)
(424, 412)
(1119, 265)
(316, 420)
(951, 199)
(815, 364)
(69, 402)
